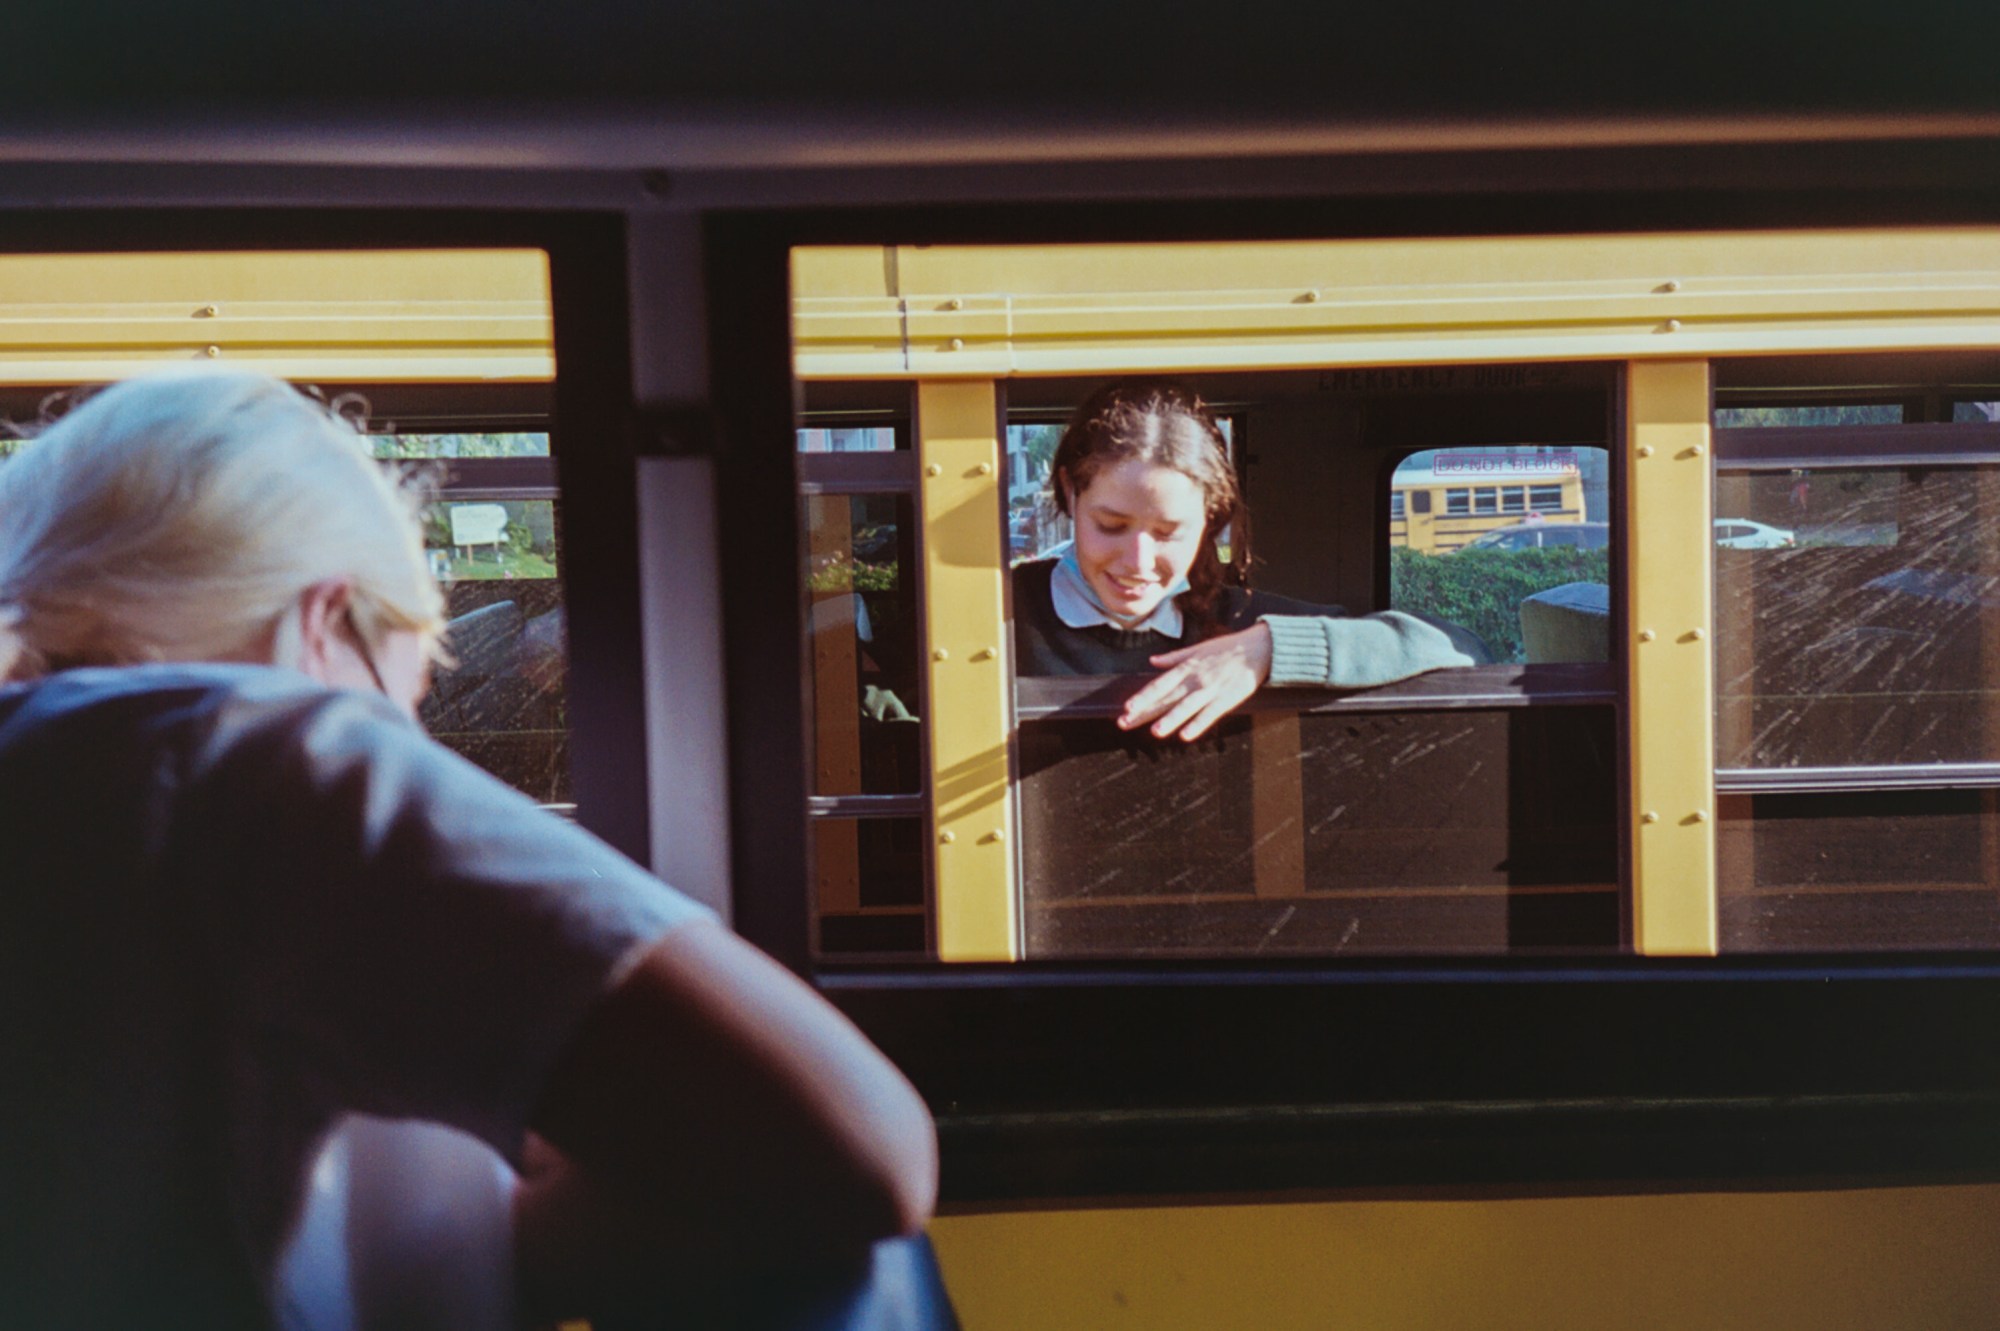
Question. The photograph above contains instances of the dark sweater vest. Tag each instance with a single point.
(1044, 645)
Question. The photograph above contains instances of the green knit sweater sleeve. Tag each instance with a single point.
(1356, 653)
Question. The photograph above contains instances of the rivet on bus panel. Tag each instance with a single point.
(946, 838)
(1311, 297)
(958, 344)
(941, 655)
(996, 835)
(1696, 635)
(1671, 326)
(207, 312)
(954, 304)
(1698, 816)
(211, 351)
(1649, 816)
(984, 654)
(934, 470)
(1646, 635)
(1645, 450)
(1696, 450)
(1668, 287)
(983, 469)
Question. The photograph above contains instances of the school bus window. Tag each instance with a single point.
(862, 622)
(1857, 639)
(1808, 414)
(1844, 871)
(1866, 630)
(1309, 825)
(1531, 582)
(493, 534)
(1035, 523)
(510, 444)
(868, 886)
(848, 439)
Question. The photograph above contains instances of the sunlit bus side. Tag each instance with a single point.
(1738, 598)
(444, 358)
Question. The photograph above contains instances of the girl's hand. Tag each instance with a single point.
(1200, 685)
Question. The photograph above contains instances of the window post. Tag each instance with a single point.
(972, 838)
(1670, 528)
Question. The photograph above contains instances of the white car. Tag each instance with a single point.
(1743, 534)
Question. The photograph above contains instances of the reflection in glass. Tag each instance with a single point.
(1512, 543)
(862, 625)
(1474, 832)
(868, 885)
(1864, 871)
(1872, 638)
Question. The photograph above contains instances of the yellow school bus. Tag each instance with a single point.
(1449, 503)
(1731, 770)
(1624, 947)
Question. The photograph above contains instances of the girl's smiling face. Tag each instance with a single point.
(1138, 526)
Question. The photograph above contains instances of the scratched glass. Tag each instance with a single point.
(1859, 871)
(503, 705)
(1857, 616)
(1473, 832)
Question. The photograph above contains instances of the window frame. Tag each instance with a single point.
(892, 473)
(1783, 448)
(1173, 1077)
(589, 408)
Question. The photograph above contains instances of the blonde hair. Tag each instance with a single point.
(179, 516)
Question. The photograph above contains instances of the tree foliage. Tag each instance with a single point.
(510, 445)
(1483, 589)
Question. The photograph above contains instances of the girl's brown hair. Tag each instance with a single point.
(1164, 423)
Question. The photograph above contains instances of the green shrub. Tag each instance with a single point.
(1482, 590)
(852, 575)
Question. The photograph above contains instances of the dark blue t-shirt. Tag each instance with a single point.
(235, 905)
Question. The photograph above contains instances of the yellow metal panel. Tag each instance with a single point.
(1075, 309)
(401, 315)
(959, 449)
(1888, 1259)
(1669, 588)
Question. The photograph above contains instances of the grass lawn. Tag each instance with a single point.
(486, 563)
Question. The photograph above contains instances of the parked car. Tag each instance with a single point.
(1743, 534)
(1542, 536)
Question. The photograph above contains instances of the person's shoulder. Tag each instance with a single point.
(1033, 572)
(138, 695)
(203, 716)
(1032, 586)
